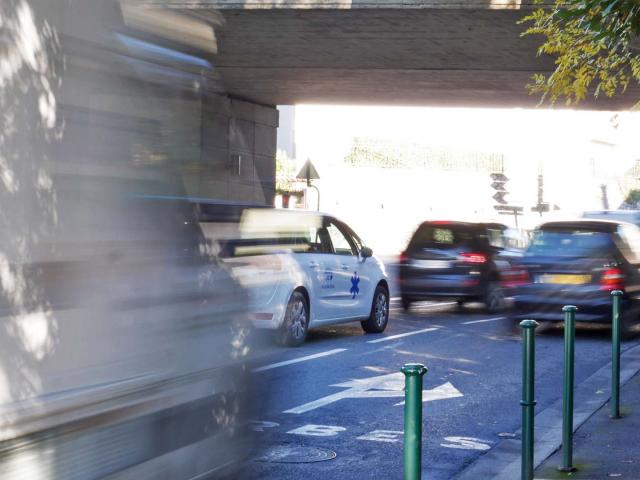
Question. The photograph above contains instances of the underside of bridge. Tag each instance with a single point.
(446, 53)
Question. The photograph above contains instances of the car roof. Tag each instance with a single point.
(586, 224)
(612, 212)
(469, 223)
(632, 216)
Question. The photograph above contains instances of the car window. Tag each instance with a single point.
(560, 243)
(353, 238)
(495, 236)
(440, 236)
(341, 244)
(308, 240)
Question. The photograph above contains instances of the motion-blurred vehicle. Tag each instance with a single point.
(122, 343)
(579, 263)
(629, 216)
(462, 261)
(304, 270)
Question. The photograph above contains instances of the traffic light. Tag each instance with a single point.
(499, 182)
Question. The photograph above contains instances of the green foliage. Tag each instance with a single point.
(285, 174)
(633, 199)
(592, 43)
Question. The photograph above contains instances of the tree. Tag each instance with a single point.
(286, 174)
(632, 201)
(594, 42)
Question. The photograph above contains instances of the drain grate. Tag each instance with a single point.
(289, 454)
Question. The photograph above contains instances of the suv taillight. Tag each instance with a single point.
(404, 258)
(612, 279)
(470, 257)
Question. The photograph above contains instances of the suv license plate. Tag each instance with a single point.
(564, 279)
(431, 264)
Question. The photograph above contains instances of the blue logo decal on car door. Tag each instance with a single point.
(355, 280)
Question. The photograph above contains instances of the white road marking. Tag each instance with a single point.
(259, 425)
(444, 391)
(381, 386)
(298, 360)
(422, 307)
(396, 299)
(466, 443)
(495, 319)
(317, 430)
(388, 436)
(401, 335)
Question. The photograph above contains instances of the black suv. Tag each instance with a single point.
(579, 263)
(464, 261)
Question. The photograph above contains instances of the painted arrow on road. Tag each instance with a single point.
(381, 386)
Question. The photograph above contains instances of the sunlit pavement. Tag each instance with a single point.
(341, 392)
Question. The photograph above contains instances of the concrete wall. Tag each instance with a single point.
(237, 159)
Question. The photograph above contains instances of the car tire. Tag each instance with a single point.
(406, 303)
(379, 315)
(293, 332)
(494, 299)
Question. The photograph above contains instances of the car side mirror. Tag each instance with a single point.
(366, 252)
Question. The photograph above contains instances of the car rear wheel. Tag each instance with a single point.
(406, 303)
(494, 298)
(296, 321)
(379, 316)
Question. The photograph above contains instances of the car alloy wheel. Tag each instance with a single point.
(381, 308)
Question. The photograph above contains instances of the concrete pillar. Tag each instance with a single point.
(238, 151)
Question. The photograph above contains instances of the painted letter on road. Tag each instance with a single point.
(389, 436)
(317, 430)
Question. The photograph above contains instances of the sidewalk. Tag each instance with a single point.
(503, 462)
(604, 448)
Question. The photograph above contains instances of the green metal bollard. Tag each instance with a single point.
(413, 420)
(615, 354)
(567, 388)
(528, 403)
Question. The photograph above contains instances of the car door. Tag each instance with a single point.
(317, 263)
(351, 282)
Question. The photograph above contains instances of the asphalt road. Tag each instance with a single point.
(340, 392)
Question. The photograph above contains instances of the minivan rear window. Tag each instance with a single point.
(440, 236)
(562, 243)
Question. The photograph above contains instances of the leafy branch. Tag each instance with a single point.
(593, 43)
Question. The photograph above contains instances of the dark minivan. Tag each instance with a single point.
(580, 263)
(463, 261)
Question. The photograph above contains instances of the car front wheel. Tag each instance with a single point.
(379, 315)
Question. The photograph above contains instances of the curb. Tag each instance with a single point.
(503, 461)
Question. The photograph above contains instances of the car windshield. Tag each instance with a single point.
(560, 243)
(440, 236)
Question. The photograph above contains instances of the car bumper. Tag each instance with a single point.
(549, 308)
(427, 286)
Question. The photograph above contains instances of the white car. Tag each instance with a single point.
(304, 270)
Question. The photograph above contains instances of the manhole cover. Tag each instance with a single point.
(288, 454)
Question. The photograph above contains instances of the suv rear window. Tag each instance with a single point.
(440, 236)
(562, 243)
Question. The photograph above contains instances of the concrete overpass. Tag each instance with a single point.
(412, 52)
(280, 52)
